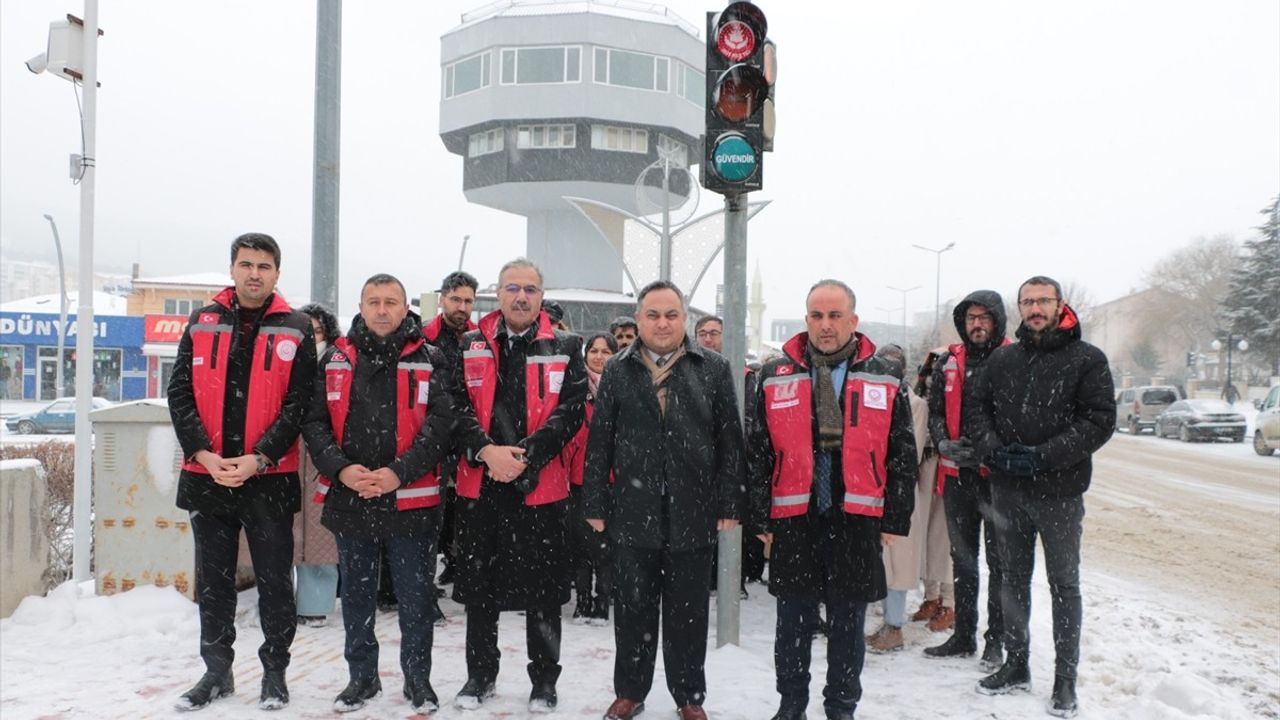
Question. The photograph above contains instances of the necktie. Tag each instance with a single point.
(662, 361)
(822, 482)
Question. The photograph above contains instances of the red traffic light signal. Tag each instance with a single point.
(739, 71)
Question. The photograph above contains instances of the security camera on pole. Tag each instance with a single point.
(741, 68)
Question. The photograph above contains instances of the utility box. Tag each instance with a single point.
(24, 536)
(140, 536)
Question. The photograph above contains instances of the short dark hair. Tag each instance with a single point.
(256, 241)
(706, 319)
(328, 321)
(609, 342)
(554, 310)
(829, 282)
(384, 279)
(659, 285)
(457, 279)
(623, 321)
(1041, 280)
(894, 356)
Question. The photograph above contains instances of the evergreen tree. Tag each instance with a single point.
(1252, 304)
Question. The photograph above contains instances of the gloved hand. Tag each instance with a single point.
(960, 451)
(1018, 460)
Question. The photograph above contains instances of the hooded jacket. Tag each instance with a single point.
(1051, 391)
(951, 389)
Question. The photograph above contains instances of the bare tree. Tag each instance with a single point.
(1193, 281)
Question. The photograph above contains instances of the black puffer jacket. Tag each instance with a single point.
(1054, 393)
(975, 357)
(369, 437)
(676, 473)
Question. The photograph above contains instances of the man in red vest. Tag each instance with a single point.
(238, 394)
(526, 385)
(831, 459)
(963, 483)
(380, 423)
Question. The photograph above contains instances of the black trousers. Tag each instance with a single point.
(1020, 516)
(846, 650)
(649, 583)
(967, 499)
(542, 638)
(217, 541)
(592, 568)
(408, 561)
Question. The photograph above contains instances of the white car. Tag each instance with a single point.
(1266, 435)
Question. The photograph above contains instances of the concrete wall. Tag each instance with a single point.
(24, 542)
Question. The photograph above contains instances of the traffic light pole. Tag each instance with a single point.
(324, 183)
(729, 575)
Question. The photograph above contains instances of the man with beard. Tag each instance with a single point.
(1041, 408)
(832, 474)
(238, 394)
(380, 421)
(445, 331)
(623, 330)
(666, 425)
(526, 386)
(965, 489)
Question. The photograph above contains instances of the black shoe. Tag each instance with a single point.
(954, 646)
(599, 616)
(1063, 701)
(446, 575)
(212, 686)
(1012, 677)
(275, 693)
(992, 657)
(743, 594)
(437, 615)
(839, 715)
(582, 610)
(357, 692)
(543, 698)
(789, 713)
(473, 694)
(421, 697)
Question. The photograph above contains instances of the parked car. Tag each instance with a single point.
(1137, 408)
(1266, 434)
(1201, 420)
(57, 417)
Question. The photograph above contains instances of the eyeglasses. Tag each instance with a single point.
(513, 289)
(1043, 302)
(983, 318)
(709, 333)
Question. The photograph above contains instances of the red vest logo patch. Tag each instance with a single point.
(208, 318)
(478, 345)
(875, 397)
(786, 369)
(286, 350)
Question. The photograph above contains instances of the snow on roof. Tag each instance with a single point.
(628, 9)
(103, 304)
(217, 280)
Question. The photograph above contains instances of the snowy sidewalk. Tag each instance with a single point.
(131, 655)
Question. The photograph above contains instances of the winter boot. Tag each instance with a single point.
(1012, 677)
(473, 693)
(887, 639)
(944, 619)
(599, 611)
(927, 610)
(357, 693)
(582, 609)
(275, 693)
(787, 712)
(212, 686)
(543, 697)
(1063, 701)
(992, 657)
(955, 646)
(421, 697)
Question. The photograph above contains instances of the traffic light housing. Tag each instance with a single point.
(739, 113)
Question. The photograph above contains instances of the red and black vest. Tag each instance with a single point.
(434, 329)
(544, 375)
(952, 400)
(272, 364)
(412, 406)
(868, 415)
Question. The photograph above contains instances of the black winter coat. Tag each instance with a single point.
(513, 556)
(369, 437)
(975, 358)
(853, 567)
(675, 474)
(1054, 393)
(270, 495)
(450, 347)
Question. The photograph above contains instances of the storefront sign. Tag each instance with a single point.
(42, 329)
(163, 328)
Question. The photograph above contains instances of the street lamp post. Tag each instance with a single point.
(1217, 345)
(937, 286)
(58, 389)
(904, 309)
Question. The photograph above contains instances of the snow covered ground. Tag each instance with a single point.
(75, 655)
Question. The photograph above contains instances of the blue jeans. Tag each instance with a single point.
(317, 589)
(846, 648)
(409, 561)
(895, 608)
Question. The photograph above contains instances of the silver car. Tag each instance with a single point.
(1201, 420)
(1266, 435)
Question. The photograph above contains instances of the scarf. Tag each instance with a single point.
(659, 375)
(830, 420)
(593, 381)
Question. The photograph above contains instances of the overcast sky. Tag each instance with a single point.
(1075, 139)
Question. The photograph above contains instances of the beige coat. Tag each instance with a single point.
(927, 546)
